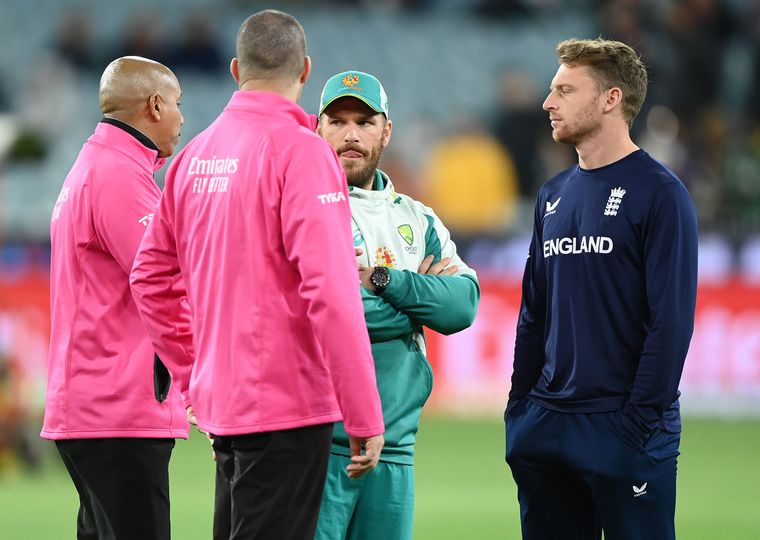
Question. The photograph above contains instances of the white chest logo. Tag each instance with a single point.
(613, 203)
(551, 208)
(639, 491)
(146, 219)
(327, 198)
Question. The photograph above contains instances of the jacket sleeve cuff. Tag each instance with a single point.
(365, 432)
(398, 287)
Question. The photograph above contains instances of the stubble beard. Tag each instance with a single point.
(587, 124)
(362, 177)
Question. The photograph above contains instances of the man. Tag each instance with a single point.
(110, 405)
(593, 424)
(411, 277)
(255, 215)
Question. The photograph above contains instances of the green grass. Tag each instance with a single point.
(464, 489)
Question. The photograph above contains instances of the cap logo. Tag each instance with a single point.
(350, 80)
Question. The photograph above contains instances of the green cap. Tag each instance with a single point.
(356, 84)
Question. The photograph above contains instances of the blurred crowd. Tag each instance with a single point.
(480, 168)
(702, 116)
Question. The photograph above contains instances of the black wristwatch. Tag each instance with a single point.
(380, 278)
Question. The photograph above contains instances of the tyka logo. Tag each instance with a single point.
(146, 219)
(62, 198)
(327, 198)
(613, 203)
(551, 208)
(639, 491)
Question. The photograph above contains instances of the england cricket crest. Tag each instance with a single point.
(613, 203)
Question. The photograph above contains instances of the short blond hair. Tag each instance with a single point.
(612, 64)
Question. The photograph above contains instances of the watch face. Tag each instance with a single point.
(380, 277)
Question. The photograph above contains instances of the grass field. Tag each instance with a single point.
(464, 490)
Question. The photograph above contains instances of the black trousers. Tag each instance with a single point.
(581, 474)
(123, 487)
(269, 485)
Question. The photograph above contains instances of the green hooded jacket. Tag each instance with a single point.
(398, 232)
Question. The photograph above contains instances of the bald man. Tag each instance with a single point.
(256, 208)
(111, 407)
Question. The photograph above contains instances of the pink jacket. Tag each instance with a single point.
(255, 214)
(101, 362)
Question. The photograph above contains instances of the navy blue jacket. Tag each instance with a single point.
(609, 293)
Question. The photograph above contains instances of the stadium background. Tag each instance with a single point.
(465, 80)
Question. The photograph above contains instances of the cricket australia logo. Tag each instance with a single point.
(613, 203)
(551, 208)
(639, 491)
(406, 233)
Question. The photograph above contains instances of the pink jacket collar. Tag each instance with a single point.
(120, 141)
(270, 104)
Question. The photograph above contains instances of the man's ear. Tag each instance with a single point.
(235, 70)
(306, 70)
(154, 106)
(387, 131)
(614, 99)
